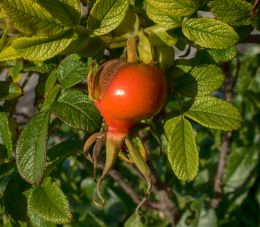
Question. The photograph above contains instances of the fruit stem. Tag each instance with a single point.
(131, 49)
(114, 143)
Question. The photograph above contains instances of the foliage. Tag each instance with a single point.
(45, 179)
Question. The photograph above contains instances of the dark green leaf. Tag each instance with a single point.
(5, 134)
(31, 148)
(51, 98)
(235, 12)
(50, 82)
(75, 109)
(71, 71)
(66, 11)
(9, 90)
(49, 203)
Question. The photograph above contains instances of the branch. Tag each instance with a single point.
(253, 11)
(226, 141)
(131, 192)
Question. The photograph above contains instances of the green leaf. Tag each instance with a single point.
(210, 33)
(165, 56)
(106, 15)
(71, 71)
(9, 90)
(240, 174)
(235, 12)
(174, 7)
(159, 36)
(42, 48)
(163, 19)
(50, 82)
(37, 221)
(29, 17)
(8, 53)
(170, 125)
(214, 113)
(51, 98)
(145, 49)
(66, 11)
(240, 165)
(75, 109)
(201, 80)
(31, 148)
(49, 203)
(5, 134)
(224, 54)
(134, 221)
(182, 151)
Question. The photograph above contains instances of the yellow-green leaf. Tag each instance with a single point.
(235, 12)
(210, 33)
(8, 53)
(162, 18)
(29, 17)
(42, 48)
(182, 151)
(106, 15)
(66, 11)
(214, 113)
(174, 7)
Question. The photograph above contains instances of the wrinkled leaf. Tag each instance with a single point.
(201, 80)
(235, 12)
(163, 19)
(75, 109)
(5, 134)
(29, 17)
(66, 11)
(32, 147)
(106, 15)
(182, 151)
(71, 71)
(224, 54)
(214, 113)
(174, 7)
(49, 203)
(40, 49)
(210, 33)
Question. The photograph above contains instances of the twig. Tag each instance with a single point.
(253, 11)
(226, 142)
(131, 192)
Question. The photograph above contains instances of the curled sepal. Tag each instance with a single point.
(91, 140)
(114, 143)
(140, 163)
(124, 155)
